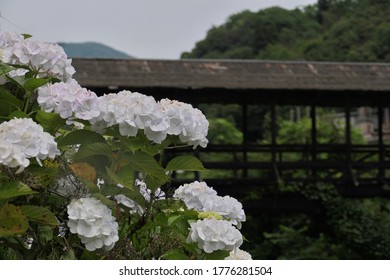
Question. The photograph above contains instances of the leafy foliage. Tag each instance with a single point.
(331, 30)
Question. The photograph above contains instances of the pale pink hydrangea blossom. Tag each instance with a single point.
(184, 121)
(21, 139)
(47, 59)
(69, 100)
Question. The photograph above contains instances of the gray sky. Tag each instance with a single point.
(144, 28)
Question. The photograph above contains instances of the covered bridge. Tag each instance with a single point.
(357, 169)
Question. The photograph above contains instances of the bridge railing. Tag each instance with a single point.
(340, 164)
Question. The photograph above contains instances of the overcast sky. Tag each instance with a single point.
(142, 28)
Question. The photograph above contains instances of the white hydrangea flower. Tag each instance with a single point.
(130, 110)
(69, 100)
(195, 194)
(238, 254)
(212, 235)
(185, 121)
(226, 206)
(93, 222)
(21, 139)
(47, 59)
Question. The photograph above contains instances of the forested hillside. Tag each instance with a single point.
(331, 30)
(92, 50)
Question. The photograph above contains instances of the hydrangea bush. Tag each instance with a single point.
(84, 176)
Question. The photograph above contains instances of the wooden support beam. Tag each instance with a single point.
(273, 142)
(382, 150)
(244, 107)
(313, 116)
(349, 174)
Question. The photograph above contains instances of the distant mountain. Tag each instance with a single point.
(92, 50)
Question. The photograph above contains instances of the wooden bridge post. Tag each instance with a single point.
(382, 151)
(350, 176)
(244, 112)
(313, 116)
(273, 142)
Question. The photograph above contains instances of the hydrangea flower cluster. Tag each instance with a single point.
(131, 111)
(185, 121)
(69, 99)
(194, 194)
(212, 235)
(47, 59)
(238, 254)
(228, 207)
(202, 198)
(93, 223)
(21, 139)
(221, 217)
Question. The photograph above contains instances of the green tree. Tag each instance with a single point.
(331, 30)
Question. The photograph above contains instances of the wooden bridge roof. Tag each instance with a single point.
(252, 78)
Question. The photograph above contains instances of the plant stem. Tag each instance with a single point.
(27, 102)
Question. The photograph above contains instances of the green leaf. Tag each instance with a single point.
(94, 149)
(182, 216)
(133, 143)
(147, 165)
(109, 203)
(12, 221)
(26, 36)
(189, 163)
(92, 187)
(38, 170)
(39, 215)
(217, 255)
(160, 219)
(154, 183)
(45, 234)
(3, 177)
(50, 122)
(126, 179)
(5, 68)
(34, 83)
(68, 255)
(45, 174)
(18, 115)
(81, 136)
(8, 102)
(14, 189)
(175, 255)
